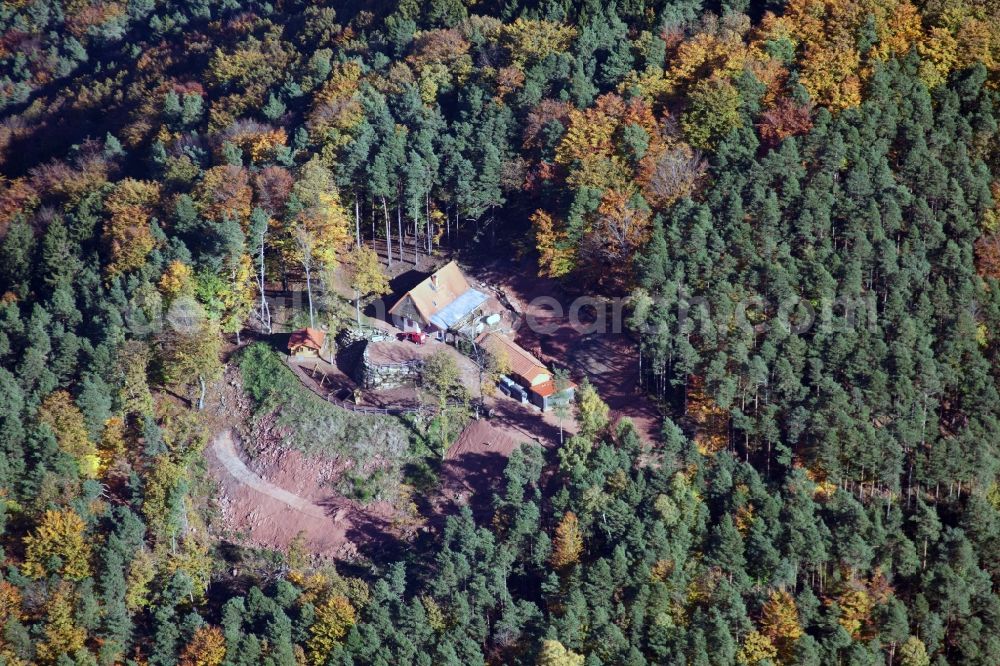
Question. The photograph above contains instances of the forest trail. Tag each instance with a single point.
(224, 449)
(259, 509)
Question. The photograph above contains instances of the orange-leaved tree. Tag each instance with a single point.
(224, 192)
(568, 542)
(619, 230)
(58, 541)
(128, 235)
(780, 622)
(207, 647)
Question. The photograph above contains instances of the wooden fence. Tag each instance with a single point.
(391, 410)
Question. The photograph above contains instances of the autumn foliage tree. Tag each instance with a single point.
(529, 41)
(592, 412)
(555, 250)
(567, 544)
(64, 418)
(128, 234)
(190, 349)
(58, 544)
(785, 119)
(367, 275)
(177, 279)
(605, 154)
(620, 228)
(207, 647)
(320, 227)
(988, 255)
(224, 192)
(713, 112)
(835, 61)
(671, 175)
(62, 637)
(554, 653)
(780, 622)
(334, 616)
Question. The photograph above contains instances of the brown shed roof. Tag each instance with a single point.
(436, 292)
(307, 337)
(523, 365)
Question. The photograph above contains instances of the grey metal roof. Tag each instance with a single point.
(458, 309)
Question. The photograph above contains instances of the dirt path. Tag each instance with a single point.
(225, 451)
(257, 512)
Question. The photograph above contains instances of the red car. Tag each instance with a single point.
(416, 337)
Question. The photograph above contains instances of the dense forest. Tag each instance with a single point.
(800, 199)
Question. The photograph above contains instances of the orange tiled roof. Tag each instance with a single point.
(522, 364)
(545, 389)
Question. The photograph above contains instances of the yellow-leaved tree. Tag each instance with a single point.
(856, 606)
(756, 648)
(160, 506)
(556, 255)
(840, 40)
(593, 412)
(58, 541)
(131, 367)
(780, 622)
(367, 276)
(568, 542)
(177, 279)
(237, 296)
(554, 653)
(64, 418)
(336, 106)
(128, 235)
(61, 636)
(530, 41)
(320, 229)
(334, 616)
(190, 348)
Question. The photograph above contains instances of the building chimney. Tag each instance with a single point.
(434, 281)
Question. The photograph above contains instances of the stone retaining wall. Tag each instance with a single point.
(374, 376)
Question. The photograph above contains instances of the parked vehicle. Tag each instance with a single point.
(416, 337)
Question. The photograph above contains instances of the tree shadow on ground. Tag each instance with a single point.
(523, 422)
(376, 537)
(472, 479)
